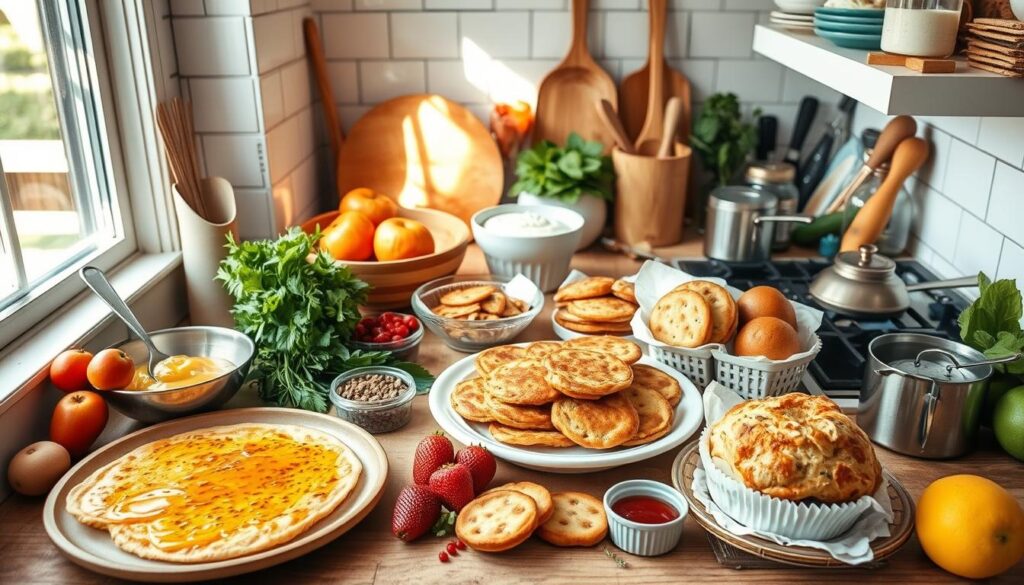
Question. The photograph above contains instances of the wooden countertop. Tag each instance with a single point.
(370, 554)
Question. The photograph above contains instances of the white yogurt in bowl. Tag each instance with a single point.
(524, 224)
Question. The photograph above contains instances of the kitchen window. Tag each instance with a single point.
(62, 201)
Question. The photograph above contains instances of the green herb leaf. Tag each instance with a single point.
(565, 173)
(991, 324)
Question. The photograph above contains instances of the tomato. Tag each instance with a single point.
(374, 205)
(78, 419)
(399, 238)
(385, 327)
(111, 369)
(349, 237)
(68, 370)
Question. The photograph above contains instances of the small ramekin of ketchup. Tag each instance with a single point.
(645, 517)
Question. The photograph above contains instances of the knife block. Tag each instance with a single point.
(650, 196)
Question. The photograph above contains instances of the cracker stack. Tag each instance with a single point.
(596, 305)
(479, 303)
(996, 45)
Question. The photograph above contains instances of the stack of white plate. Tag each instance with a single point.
(792, 20)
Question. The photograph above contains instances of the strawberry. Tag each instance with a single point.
(453, 483)
(416, 510)
(481, 465)
(432, 452)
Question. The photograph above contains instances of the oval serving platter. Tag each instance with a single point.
(93, 549)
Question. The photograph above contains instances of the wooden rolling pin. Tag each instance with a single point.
(872, 218)
(898, 129)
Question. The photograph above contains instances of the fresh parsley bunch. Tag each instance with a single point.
(299, 307)
(545, 170)
(992, 323)
(722, 138)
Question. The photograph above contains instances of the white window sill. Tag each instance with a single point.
(85, 322)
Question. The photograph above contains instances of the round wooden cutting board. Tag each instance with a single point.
(423, 151)
(94, 550)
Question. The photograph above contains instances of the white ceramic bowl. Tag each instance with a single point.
(799, 6)
(646, 540)
(542, 259)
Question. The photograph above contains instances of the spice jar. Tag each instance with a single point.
(776, 178)
(921, 28)
(377, 398)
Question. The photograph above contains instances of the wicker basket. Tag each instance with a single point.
(761, 379)
(696, 364)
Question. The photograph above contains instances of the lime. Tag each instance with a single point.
(997, 386)
(1008, 422)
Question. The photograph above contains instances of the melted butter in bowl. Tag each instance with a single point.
(179, 371)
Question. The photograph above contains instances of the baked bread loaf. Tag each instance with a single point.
(796, 447)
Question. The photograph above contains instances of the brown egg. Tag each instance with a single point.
(36, 468)
(765, 301)
(767, 336)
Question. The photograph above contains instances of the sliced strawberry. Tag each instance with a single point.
(454, 485)
(481, 464)
(432, 452)
(416, 510)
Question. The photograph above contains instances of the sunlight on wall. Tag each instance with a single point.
(496, 79)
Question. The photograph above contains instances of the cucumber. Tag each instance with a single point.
(808, 234)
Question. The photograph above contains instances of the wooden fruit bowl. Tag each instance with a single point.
(394, 281)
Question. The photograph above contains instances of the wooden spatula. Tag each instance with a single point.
(566, 98)
(634, 88)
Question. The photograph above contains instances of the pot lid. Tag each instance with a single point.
(865, 264)
(738, 198)
(770, 172)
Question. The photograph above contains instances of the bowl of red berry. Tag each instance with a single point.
(395, 332)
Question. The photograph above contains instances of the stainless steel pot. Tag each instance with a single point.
(741, 223)
(922, 395)
(864, 283)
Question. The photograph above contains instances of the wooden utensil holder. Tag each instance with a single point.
(650, 196)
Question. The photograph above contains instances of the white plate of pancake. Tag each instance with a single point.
(94, 549)
(688, 416)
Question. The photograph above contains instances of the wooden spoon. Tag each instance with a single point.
(896, 131)
(606, 110)
(323, 84)
(872, 218)
(649, 139)
(673, 109)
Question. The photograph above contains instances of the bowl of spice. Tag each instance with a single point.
(645, 517)
(377, 398)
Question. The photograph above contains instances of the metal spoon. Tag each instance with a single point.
(99, 284)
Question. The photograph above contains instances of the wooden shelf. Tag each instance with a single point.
(891, 90)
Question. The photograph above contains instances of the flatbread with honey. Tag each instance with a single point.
(217, 493)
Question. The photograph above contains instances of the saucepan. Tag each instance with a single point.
(863, 283)
(741, 224)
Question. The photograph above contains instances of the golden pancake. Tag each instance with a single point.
(587, 373)
(602, 309)
(488, 360)
(597, 424)
(528, 438)
(578, 520)
(217, 493)
(542, 348)
(539, 493)
(623, 349)
(655, 415)
(531, 418)
(624, 290)
(652, 378)
(565, 315)
(468, 400)
(592, 328)
(587, 288)
(521, 382)
(497, 521)
(723, 308)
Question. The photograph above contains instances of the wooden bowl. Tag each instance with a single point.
(394, 281)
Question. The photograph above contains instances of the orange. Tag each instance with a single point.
(765, 301)
(773, 338)
(376, 206)
(399, 238)
(970, 526)
(349, 237)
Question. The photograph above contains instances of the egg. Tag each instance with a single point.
(36, 468)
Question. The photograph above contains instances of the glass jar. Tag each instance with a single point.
(778, 179)
(921, 28)
(896, 235)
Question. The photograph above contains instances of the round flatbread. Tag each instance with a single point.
(623, 349)
(565, 315)
(592, 328)
(468, 400)
(587, 288)
(452, 312)
(530, 418)
(652, 378)
(494, 304)
(624, 290)
(468, 295)
(655, 415)
(528, 438)
(540, 494)
(596, 424)
(522, 381)
(604, 309)
(489, 360)
(588, 373)
(578, 520)
(724, 314)
(681, 318)
(542, 348)
(497, 521)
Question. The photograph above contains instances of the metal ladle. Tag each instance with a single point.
(97, 281)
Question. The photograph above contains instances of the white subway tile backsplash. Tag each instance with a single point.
(513, 79)
(289, 143)
(969, 177)
(187, 7)
(424, 35)
(938, 220)
(1006, 205)
(963, 127)
(355, 36)
(263, 6)
(626, 35)
(530, 4)
(458, 4)
(344, 80)
(762, 5)
(304, 185)
(228, 8)
(690, 4)
(380, 5)
(330, 5)
(786, 115)
(273, 99)
(1003, 138)
(977, 247)
(1011, 262)
(498, 34)
(285, 204)
(614, 4)
(254, 216)
(677, 35)
(295, 77)
(383, 80)
(224, 105)
(700, 73)
(236, 157)
(721, 34)
(553, 30)
(751, 80)
(796, 85)
(274, 39)
(211, 46)
(450, 79)
(934, 169)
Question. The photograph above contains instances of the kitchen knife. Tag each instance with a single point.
(812, 171)
(804, 118)
(767, 131)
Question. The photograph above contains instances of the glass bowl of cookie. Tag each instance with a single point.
(474, 312)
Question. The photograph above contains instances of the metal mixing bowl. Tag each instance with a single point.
(158, 405)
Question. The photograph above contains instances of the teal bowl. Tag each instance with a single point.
(876, 13)
(864, 29)
(851, 40)
(847, 19)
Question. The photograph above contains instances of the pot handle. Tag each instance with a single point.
(957, 365)
(931, 402)
(783, 219)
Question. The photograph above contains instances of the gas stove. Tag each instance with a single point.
(839, 368)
